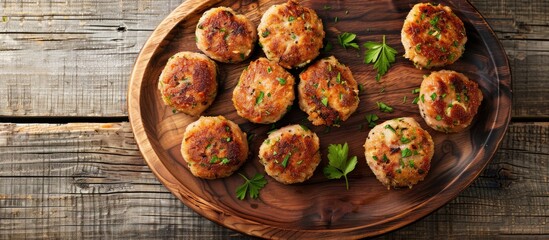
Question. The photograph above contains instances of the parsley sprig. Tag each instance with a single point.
(339, 166)
(346, 40)
(251, 186)
(381, 55)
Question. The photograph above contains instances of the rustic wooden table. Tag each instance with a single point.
(70, 168)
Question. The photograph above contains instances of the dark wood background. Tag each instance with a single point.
(70, 168)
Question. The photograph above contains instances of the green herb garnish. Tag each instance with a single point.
(371, 119)
(251, 186)
(324, 101)
(259, 98)
(346, 40)
(339, 166)
(384, 107)
(381, 55)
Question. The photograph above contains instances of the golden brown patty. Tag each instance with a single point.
(290, 34)
(290, 154)
(328, 92)
(399, 152)
(188, 82)
(214, 147)
(448, 100)
(264, 93)
(224, 35)
(433, 35)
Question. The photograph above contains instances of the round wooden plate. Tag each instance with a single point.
(321, 207)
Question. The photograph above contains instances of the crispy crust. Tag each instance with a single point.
(325, 97)
(214, 147)
(449, 101)
(225, 36)
(264, 93)
(188, 82)
(294, 146)
(433, 36)
(291, 34)
(401, 158)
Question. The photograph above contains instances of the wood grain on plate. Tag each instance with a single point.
(321, 207)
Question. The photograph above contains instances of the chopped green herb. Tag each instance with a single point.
(405, 140)
(225, 161)
(265, 33)
(406, 153)
(415, 91)
(418, 47)
(324, 101)
(422, 98)
(455, 43)
(346, 40)
(434, 22)
(451, 56)
(269, 70)
(375, 158)
(443, 95)
(422, 16)
(412, 164)
(336, 19)
(285, 161)
(291, 19)
(438, 118)
(328, 47)
(404, 99)
(360, 87)
(390, 128)
(416, 99)
(214, 159)
(434, 96)
(174, 111)
(371, 119)
(326, 7)
(438, 36)
(384, 107)
(259, 99)
(385, 159)
(228, 139)
(304, 127)
(251, 186)
(282, 81)
(338, 78)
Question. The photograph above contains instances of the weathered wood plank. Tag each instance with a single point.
(73, 58)
(523, 29)
(88, 181)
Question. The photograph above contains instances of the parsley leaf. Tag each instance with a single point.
(339, 166)
(371, 118)
(251, 186)
(384, 107)
(381, 55)
(346, 40)
(259, 98)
